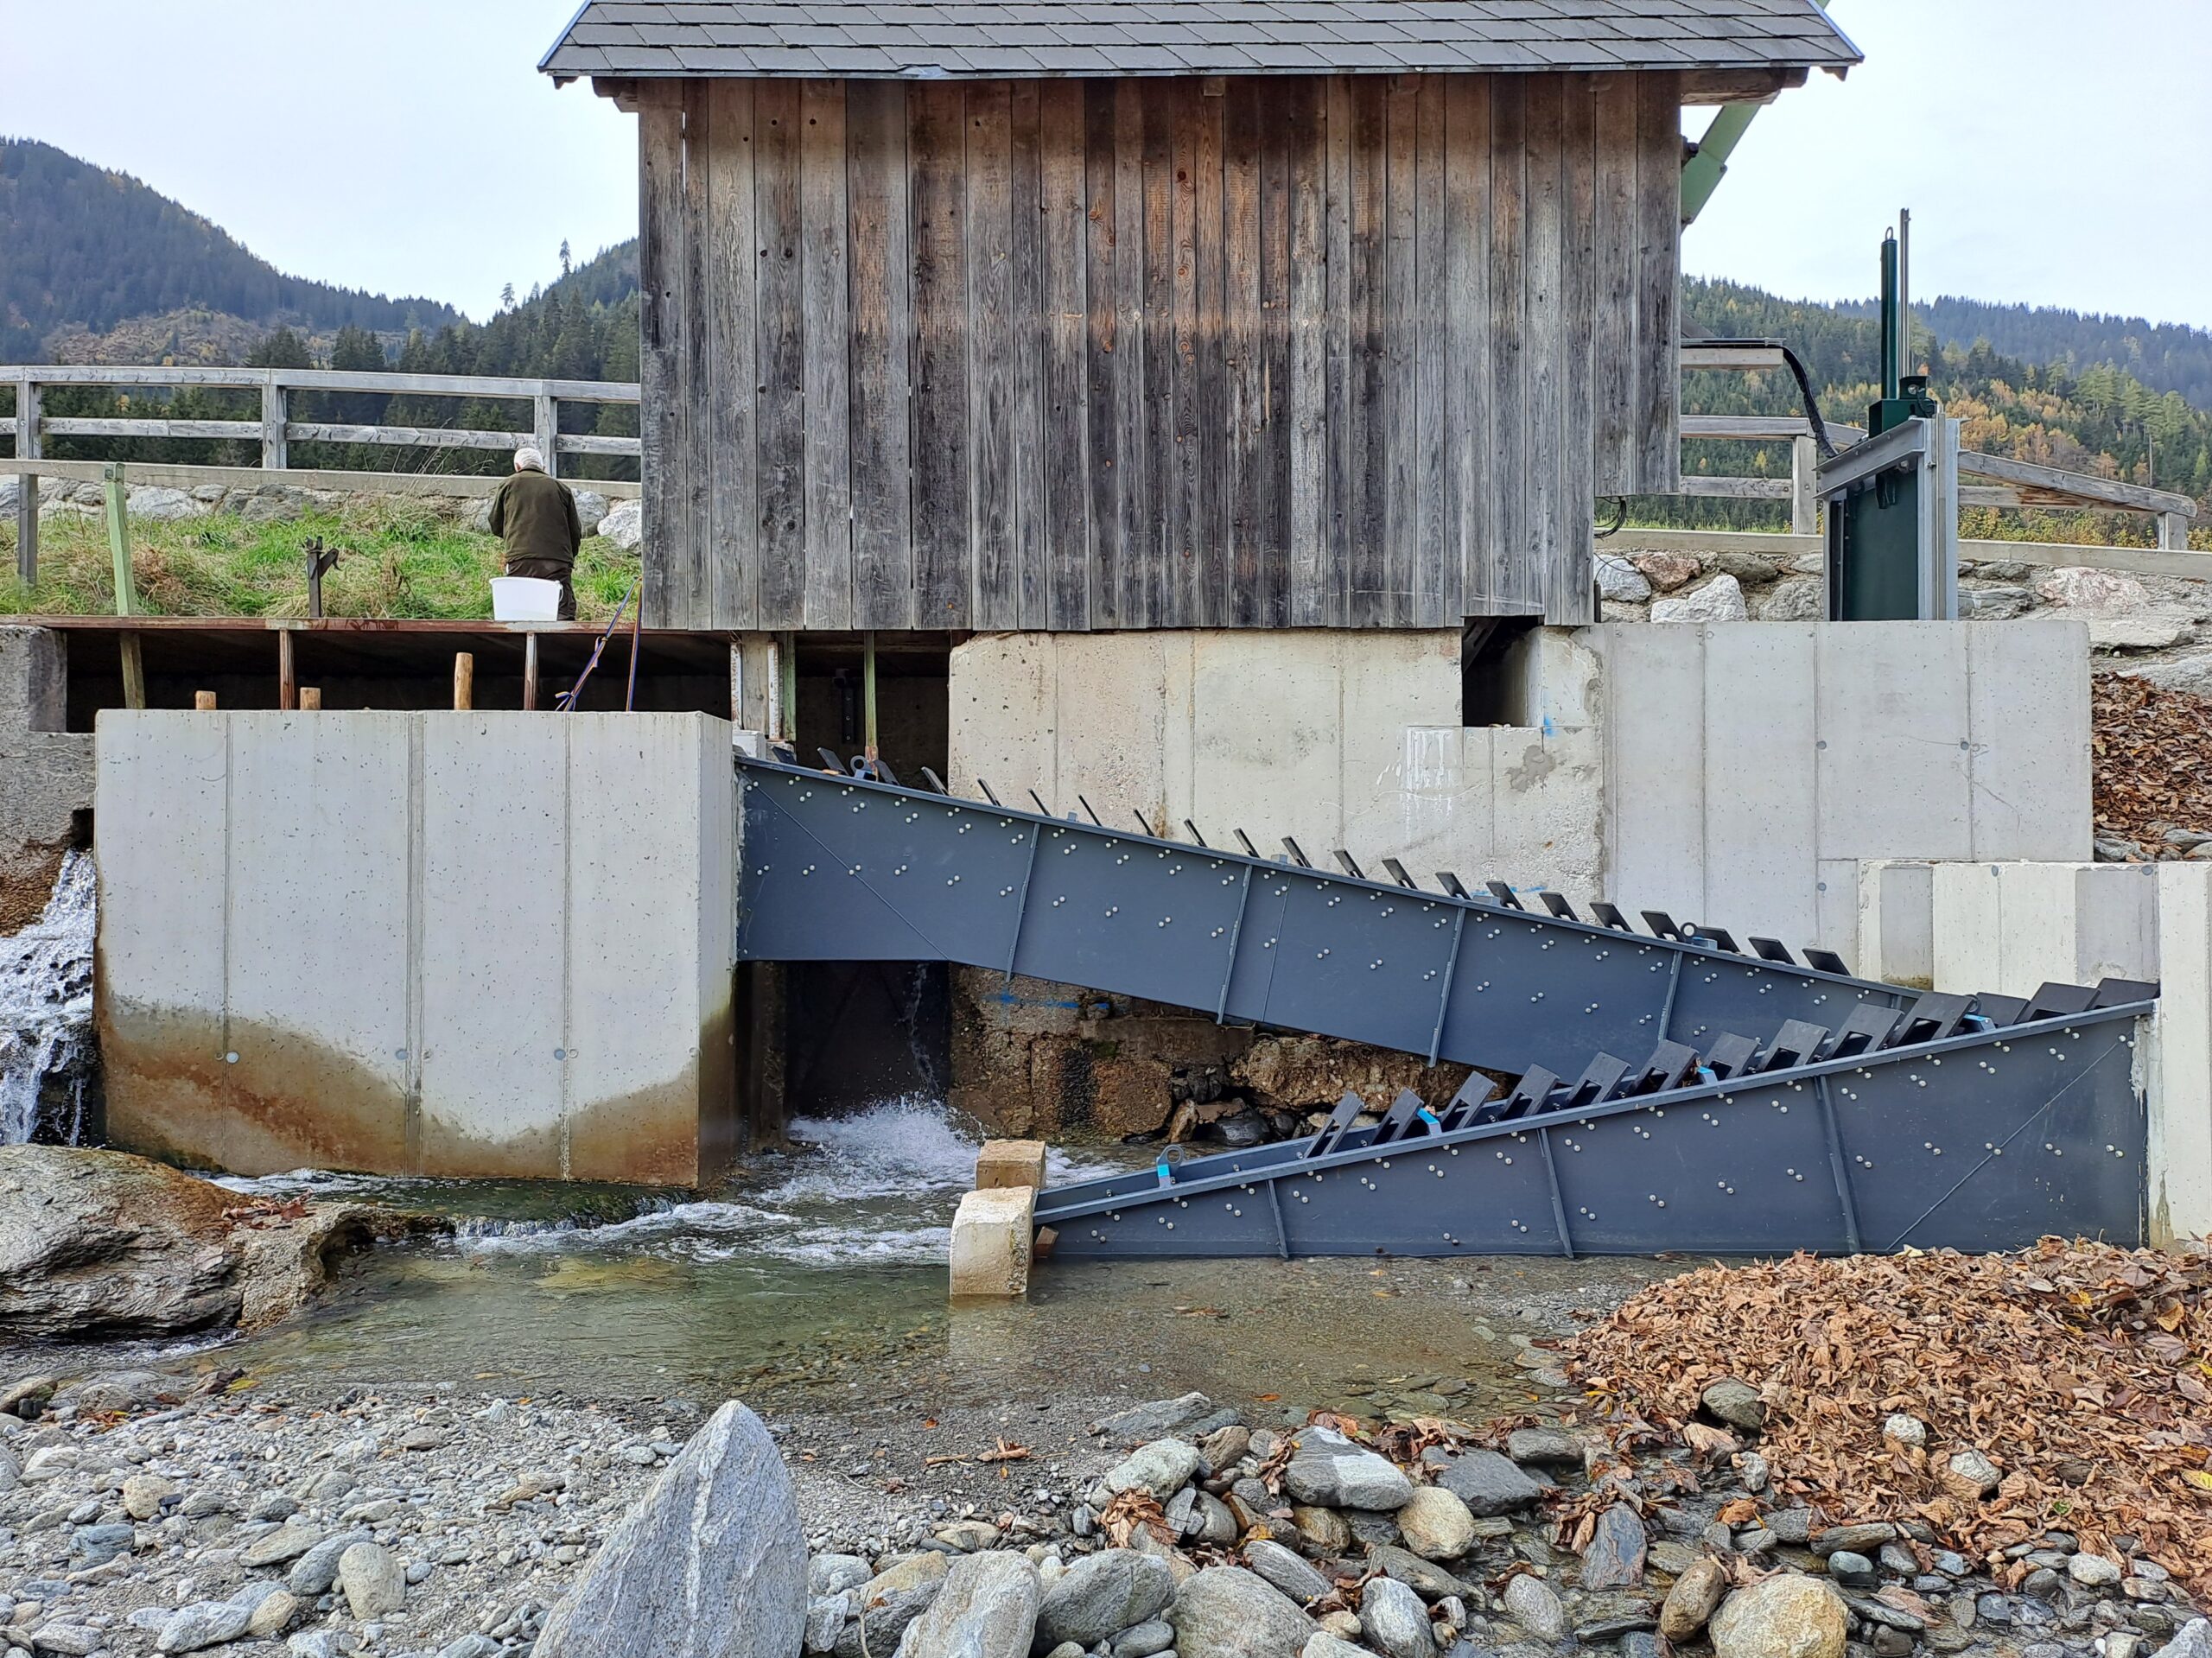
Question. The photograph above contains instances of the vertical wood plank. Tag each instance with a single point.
(1335, 598)
(1211, 528)
(1101, 330)
(1509, 550)
(1545, 350)
(1149, 600)
(1436, 568)
(1658, 186)
(1307, 429)
(1369, 204)
(733, 510)
(1185, 510)
(696, 375)
(882, 320)
(1468, 408)
(1567, 596)
(1243, 353)
(780, 355)
(1614, 263)
(1027, 279)
(937, 144)
(666, 599)
(1065, 442)
(1274, 334)
(827, 348)
(1398, 303)
(990, 354)
(1130, 539)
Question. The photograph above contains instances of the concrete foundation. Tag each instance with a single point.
(424, 943)
(48, 771)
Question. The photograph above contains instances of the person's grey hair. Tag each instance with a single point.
(527, 459)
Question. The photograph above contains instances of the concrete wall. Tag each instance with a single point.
(45, 773)
(1750, 769)
(480, 943)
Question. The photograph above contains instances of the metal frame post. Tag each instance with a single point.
(868, 699)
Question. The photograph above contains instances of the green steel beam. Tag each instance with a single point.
(1702, 173)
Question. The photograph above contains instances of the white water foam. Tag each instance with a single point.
(46, 1004)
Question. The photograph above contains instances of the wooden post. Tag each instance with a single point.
(547, 420)
(126, 589)
(310, 697)
(1804, 487)
(27, 449)
(2173, 531)
(273, 454)
(736, 682)
(867, 697)
(528, 671)
(288, 688)
(204, 702)
(786, 687)
(464, 680)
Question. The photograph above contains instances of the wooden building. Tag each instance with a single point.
(1159, 313)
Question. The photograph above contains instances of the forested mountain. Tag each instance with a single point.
(2165, 356)
(82, 246)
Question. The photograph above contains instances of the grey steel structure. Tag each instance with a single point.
(1720, 1101)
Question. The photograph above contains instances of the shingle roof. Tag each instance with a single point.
(926, 39)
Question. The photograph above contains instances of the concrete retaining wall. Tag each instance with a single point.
(46, 772)
(439, 943)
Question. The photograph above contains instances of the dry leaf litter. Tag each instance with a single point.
(2151, 755)
(2078, 1369)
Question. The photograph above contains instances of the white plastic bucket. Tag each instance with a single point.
(524, 599)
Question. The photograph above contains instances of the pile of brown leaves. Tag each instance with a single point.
(2078, 1369)
(2151, 753)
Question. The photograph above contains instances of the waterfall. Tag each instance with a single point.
(46, 1015)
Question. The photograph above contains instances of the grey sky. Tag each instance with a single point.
(2052, 152)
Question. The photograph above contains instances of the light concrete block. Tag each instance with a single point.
(2028, 721)
(1545, 790)
(2012, 927)
(1654, 778)
(1891, 767)
(992, 1237)
(1763, 844)
(2177, 1060)
(1897, 922)
(1009, 1163)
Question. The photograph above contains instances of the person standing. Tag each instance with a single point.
(536, 516)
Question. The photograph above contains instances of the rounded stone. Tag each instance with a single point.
(1436, 1525)
(1781, 1616)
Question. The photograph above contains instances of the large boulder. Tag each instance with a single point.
(988, 1608)
(1782, 1617)
(710, 1564)
(1489, 1485)
(153, 504)
(102, 1244)
(1159, 1418)
(1162, 1468)
(1226, 1612)
(1100, 1595)
(1720, 599)
(592, 509)
(624, 524)
(891, 1600)
(1330, 1470)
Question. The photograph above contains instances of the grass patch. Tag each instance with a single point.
(401, 560)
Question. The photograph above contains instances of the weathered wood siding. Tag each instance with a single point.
(1063, 354)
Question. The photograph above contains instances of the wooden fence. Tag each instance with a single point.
(1999, 482)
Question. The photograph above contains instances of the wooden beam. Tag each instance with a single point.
(27, 449)
(530, 672)
(288, 694)
(1761, 426)
(318, 379)
(545, 416)
(274, 457)
(1735, 489)
(79, 426)
(204, 702)
(1737, 86)
(1804, 486)
(126, 587)
(1701, 355)
(428, 437)
(310, 695)
(381, 483)
(2068, 487)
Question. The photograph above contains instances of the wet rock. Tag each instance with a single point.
(1285, 1571)
(1530, 1603)
(1615, 1557)
(1160, 1418)
(1782, 1616)
(988, 1608)
(709, 1565)
(208, 1624)
(1969, 1475)
(1437, 1526)
(1226, 1611)
(372, 1580)
(1691, 1601)
(1103, 1593)
(1162, 1468)
(1857, 1539)
(1329, 1469)
(1394, 1621)
(1489, 1484)
(890, 1601)
(1546, 1447)
(1734, 1402)
(1852, 1571)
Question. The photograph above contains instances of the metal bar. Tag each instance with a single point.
(1236, 932)
(1666, 1009)
(1837, 1168)
(1283, 1234)
(1021, 902)
(1559, 1200)
(868, 698)
(1196, 837)
(1444, 996)
(788, 686)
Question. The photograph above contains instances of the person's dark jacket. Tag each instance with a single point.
(536, 516)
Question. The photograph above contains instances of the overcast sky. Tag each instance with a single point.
(2051, 151)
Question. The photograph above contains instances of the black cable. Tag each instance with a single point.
(1620, 518)
(1812, 408)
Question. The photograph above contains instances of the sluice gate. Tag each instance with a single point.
(1675, 1092)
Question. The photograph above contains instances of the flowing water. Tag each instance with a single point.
(45, 1013)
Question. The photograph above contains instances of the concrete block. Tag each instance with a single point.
(1763, 844)
(2178, 1061)
(1009, 1163)
(2028, 724)
(1891, 764)
(993, 1233)
(1896, 934)
(2012, 927)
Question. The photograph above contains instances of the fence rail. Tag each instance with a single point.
(2002, 483)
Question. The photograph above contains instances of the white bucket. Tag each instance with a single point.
(524, 599)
